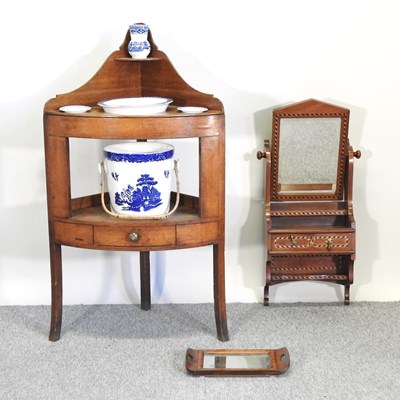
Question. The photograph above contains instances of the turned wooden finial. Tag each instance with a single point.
(261, 155)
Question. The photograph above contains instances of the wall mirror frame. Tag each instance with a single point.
(245, 362)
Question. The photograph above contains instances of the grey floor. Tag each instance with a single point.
(121, 352)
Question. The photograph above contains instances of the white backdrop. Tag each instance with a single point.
(254, 56)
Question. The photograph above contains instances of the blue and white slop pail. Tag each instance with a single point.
(139, 177)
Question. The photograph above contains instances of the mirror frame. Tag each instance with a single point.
(279, 361)
(309, 109)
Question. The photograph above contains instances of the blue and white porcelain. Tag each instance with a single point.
(139, 177)
(139, 47)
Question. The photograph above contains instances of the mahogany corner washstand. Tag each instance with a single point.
(81, 222)
(310, 230)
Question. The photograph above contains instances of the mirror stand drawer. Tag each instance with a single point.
(316, 242)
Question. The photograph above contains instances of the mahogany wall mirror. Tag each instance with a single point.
(309, 151)
(220, 362)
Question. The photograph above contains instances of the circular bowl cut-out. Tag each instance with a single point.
(135, 105)
(192, 110)
(75, 109)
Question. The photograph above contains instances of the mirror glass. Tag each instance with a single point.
(308, 155)
(236, 361)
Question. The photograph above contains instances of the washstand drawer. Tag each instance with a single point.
(73, 234)
(197, 234)
(134, 236)
(312, 242)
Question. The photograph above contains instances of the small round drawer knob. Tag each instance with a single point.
(134, 237)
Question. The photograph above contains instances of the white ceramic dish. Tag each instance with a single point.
(75, 109)
(135, 105)
(193, 110)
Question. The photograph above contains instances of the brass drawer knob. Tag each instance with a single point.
(329, 243)
(293, 240)
(133, 237)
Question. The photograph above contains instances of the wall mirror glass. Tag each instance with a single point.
(309, 145)
(237, 362)
(212, 360)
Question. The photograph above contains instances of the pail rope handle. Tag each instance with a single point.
(125, 216)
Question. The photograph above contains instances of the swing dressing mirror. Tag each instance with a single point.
(309, 221)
